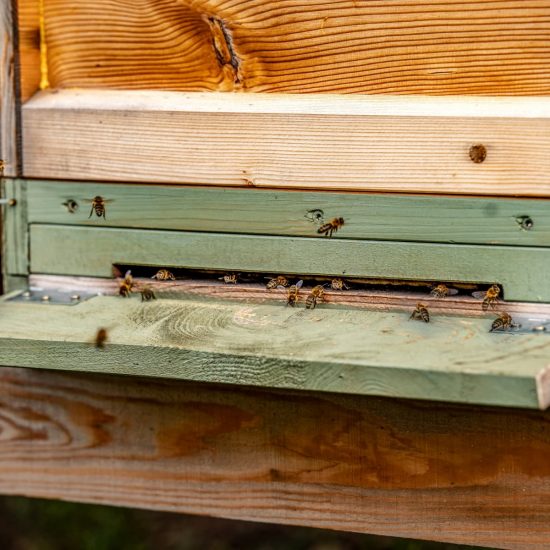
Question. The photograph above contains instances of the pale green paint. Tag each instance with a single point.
(14, 232)
(73, 250)
(351, 351)
(257, 211)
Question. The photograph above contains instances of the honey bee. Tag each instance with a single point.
(2, 166)
(503, 322)
(420, 313)
(490, 297)
(98, 205)
(442, 291)
(164, 275)
(126, 285)
(147, 294)
(100, 338)
(292, 297)
(315, 294)
(331, 227)
(229, 278)
(278, 281)
(338, 284)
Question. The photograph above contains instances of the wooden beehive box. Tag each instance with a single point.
(219, 137)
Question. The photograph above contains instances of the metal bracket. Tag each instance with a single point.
(52, 296)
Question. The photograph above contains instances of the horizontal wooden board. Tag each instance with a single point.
(351, 46)
(320, 142)
(88, 251)
(461, 474)
(355, 351)
(229, 210)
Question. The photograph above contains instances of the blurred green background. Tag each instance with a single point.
(32, 524)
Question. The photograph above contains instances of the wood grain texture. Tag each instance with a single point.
(229, 210)
(89, 251)
(321, 142)
(8, 118)
(29, 46)
(329, 349)
(15, 236)
(461, 474)
(344, 46)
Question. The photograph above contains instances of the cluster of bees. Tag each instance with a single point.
(503, 322)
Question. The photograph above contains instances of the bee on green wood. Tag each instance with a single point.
(292, 295)
(420, 313)
(100, 338)
(98, 206)
(147, 294)
(503, 322)
(490, 297)
(338, 284)
(315, 295)
(126, 286)
(331, 227)
(442, 291)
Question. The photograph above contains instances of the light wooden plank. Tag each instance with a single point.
(368, 216)
(339, 350)
(8, 117)
(15, 245)
(460, 474)
(87, 251)
(352, 46)
(387, 144)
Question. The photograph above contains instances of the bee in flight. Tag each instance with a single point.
(338, 284)
(278, 281)
(331, 227)
(420, 313)
(292, 296)
(147, 294)
(315, 294)
(126, 286)
(164, 275)
(442, 291)
(503, 322)
(98, 205)
(100, 338)
(229, 278)
(490, 297)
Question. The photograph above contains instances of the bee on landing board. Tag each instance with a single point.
(503, 322)
(420, 313)
(164, 275)
(442, 291)
(98, 205)
(490, 297)
(278, 281)
(338, 284)
(331, 227)
(315, 294)
(230, 278)
(147, 294)
(126, 286)
(292, 296)
(100, 338)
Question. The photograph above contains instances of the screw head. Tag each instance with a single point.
(45, 298)
(525, 222)
(75, 297)
(478, 153)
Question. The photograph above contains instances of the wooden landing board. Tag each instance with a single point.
(272, 345)
(413, 144)
(462, 474)
(466, 220)
(346, 46)
(89, 251)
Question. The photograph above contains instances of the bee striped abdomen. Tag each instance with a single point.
(164, 275)
(421, 313)
(331, 227)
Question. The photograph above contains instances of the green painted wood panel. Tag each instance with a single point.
(73, 250)
(271, 345)
(256, 211)
(15, 231)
